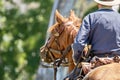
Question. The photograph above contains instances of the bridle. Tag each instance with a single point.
(50, 51)
(54, 38)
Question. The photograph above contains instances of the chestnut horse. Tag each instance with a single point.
(62, 35)
(105, 72)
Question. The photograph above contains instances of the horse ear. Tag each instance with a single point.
(72, 15)
(59, 17)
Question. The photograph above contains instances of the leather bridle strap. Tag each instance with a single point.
(57, 63)
(64, 53)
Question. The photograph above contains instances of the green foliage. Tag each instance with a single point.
(21, 36)
(91, 9)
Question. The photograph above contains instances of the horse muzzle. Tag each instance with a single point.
(44, 55)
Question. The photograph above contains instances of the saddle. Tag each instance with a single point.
(98, 61)
(86, 65)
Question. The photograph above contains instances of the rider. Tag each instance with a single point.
(100, 29)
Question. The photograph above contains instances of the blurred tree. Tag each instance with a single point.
(90, 10)
(23, 25)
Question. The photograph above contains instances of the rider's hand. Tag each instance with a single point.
(85, 50)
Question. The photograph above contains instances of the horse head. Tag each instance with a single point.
(62, 34)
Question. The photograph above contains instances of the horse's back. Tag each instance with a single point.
(105, 72)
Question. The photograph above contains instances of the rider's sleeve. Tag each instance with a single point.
(81, 39)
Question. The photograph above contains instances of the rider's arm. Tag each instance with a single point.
(81, 39)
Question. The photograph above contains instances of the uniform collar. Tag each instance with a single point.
(105, 9)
